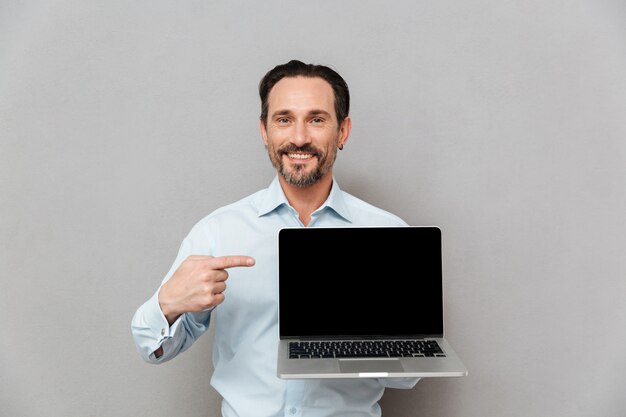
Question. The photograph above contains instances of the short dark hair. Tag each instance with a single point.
(295, 68)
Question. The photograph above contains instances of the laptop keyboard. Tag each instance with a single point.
(364, 349)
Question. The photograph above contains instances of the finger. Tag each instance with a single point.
(219, 287)
(218, 299)
(231, 261)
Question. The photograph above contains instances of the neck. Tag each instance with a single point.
(306, 200)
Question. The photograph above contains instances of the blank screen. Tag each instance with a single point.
(360, 281)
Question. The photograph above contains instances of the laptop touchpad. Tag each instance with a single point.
(355, 365)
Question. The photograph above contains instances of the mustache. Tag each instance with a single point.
(293, 148)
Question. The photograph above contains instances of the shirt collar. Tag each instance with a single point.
(275, 197)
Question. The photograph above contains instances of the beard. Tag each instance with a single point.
(296, 174)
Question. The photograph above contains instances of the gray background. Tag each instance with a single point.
(123, 123)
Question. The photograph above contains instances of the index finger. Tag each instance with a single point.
(230, 261)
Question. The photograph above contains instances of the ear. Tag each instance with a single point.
(263, 131)
(344, 131)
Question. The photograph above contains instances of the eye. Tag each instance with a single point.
(317, 120)
(282, 120)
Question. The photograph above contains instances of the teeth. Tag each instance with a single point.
(300, 155)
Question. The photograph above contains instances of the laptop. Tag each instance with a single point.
(362, 302)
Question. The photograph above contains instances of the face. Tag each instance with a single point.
(302, 132)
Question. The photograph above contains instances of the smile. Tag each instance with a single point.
(301, 156)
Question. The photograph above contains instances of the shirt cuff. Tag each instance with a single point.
(166, 335)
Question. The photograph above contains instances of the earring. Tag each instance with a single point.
(340, 146)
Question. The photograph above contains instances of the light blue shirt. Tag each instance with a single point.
(246, 323)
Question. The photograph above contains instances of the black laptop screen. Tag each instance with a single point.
(360, 282)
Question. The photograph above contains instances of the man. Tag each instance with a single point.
(304, 121)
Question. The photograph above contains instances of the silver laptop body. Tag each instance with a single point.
(362, 302)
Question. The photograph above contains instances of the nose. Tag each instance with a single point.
(300, 134)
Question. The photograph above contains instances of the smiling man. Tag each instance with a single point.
(304, 122)
(303, 127)
(302, 132)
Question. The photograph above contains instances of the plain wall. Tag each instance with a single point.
(123, 123)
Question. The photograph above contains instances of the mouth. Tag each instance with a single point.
(300, 156)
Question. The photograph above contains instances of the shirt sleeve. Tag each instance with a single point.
(150, 331)
(149, 326)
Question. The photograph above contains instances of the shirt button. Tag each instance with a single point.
(293, 410)
(162, 332)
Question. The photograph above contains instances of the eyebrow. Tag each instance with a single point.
(314, 112)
